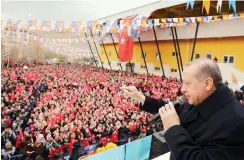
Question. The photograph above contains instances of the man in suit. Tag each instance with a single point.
(210, 125)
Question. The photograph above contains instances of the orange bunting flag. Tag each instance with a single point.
(48, 23)
(162, 25)
(242, 16)
(225, 17)
(216, 18)
(181, 20)
(206, 5)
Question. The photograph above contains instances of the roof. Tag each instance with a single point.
(178, 8)
(136, 11)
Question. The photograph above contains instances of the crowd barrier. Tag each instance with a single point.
(136, 150)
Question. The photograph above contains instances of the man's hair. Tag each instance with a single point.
(207, 68)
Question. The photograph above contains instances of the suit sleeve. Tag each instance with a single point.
(182, 146)
(152, 105)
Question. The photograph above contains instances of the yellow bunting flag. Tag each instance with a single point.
(144, 22)
(199, 19)
(206, 5)
(34, 23)
(163, 20)
(61, 24)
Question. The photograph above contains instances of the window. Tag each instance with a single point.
(173, 70)
(145, 55)
(118, 64)
(157, 56)
(197, 55)
(143, 66)
(156, 68)
(231, 59)
(209, 56)
(225, 59)
(173, 53)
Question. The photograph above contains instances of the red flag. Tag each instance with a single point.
(125, 47)
(21, 134)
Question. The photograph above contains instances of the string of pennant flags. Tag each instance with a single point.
(206, 5)
(135, 25)
(113, 26)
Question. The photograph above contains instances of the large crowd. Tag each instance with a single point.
(48, 110)
(64, 110)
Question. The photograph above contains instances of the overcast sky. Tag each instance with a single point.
(66, 10)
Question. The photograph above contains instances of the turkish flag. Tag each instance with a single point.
(125, 47)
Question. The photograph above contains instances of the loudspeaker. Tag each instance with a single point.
(158, 145)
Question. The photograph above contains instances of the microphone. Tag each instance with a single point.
(179, 102)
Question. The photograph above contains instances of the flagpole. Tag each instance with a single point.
(96, 48)
(176, 54)
(130, 66)
(158, 50)
(116, 51)
(105, 53)
(177, 59)
(90, 49)
(142, 52)
(195, 40)
(178, 46)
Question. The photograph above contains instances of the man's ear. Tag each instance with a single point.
(209, 84)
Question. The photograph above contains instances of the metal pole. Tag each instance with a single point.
(142, 52)
(158, 50)
(178, 46)
(176, 53)
(96, 48)
(116, 51)
(8, 62)
(105, 53)
(130, 66)
(91, 49)
(177, 58)
(106, 56)
(195, 40)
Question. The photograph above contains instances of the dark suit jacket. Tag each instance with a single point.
(214, 130)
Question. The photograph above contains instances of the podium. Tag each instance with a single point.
(159, 146)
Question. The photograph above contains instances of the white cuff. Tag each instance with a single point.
(239, 84)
